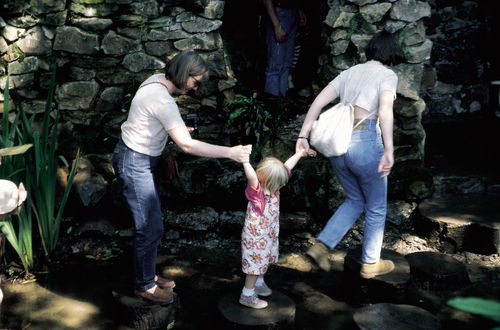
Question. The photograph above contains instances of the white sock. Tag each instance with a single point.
(260, 281)
(152, 290)
(248, 292)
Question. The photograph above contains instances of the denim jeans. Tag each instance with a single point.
(365, 192)
(280, 54)
(135, 173)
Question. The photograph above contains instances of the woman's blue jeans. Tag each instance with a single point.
(365, 192)
(280, 54)
(135, 173)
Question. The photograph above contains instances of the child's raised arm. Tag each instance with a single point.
(253, 181)
(292, 161)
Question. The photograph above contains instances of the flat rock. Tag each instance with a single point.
(398, 277)
(437, 271)
(469, 222)
(140, 314)
(385, 316)
(279, 313)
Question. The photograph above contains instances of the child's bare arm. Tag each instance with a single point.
(292, 161)
(253, 181)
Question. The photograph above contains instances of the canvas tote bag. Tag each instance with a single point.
(331, 133)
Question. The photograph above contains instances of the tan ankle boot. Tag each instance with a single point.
(381, 267)
(319, 252)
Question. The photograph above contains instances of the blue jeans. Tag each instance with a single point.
(280, 55)
(365, 192)
(135, 173)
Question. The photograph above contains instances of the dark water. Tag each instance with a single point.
(205, 273)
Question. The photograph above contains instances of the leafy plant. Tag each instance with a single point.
(42, 173)
(37, 169)
(13, 167)
(248, 115)
(487, 308)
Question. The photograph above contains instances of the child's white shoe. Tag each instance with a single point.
(263, 290)
(252, 301)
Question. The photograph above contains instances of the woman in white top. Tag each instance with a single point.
(153, 117)
(362, 171)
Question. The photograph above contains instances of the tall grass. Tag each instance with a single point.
(17, 229)
(38, 170)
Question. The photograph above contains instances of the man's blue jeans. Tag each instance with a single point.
(280, 55)
(135, 173)
(365, 192)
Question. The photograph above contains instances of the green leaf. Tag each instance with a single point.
(11, 151)
(238, 112)
(487, 308)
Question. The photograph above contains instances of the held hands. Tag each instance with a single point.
(386, 163)
(241, 154)
(302, 146)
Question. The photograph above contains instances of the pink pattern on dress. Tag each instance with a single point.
(260, 235)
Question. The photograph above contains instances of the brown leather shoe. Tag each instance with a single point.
(162, 296)
(164, 282)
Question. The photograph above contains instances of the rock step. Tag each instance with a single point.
(279, 314)
(139, 314)
(394, 316)
(437, 271)
(468, 222)
(383, 288)
(397, 278)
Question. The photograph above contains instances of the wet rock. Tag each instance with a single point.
(279, 314)
(437, 271)
(139, 314)
(391, 316)
(467, 222)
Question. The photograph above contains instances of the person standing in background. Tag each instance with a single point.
(283, 20)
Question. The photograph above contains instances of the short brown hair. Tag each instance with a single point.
(183, 65)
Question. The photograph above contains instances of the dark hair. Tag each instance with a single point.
(185, 64)
(384, 47)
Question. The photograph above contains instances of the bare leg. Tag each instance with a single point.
(250, 281)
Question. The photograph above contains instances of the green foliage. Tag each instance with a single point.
(42, 174)
(487, 308)
(249, 116)
(37, 169)
(17, 231)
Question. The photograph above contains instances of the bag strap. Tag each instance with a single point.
(362, 120)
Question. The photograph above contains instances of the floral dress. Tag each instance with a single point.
(259, 238)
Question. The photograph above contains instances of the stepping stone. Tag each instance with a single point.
(383, 288)
(437, 271)
(279, 314)
(139, 314)
(393, 316)
(470, 223)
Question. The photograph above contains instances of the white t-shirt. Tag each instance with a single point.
(362, 84)
(153, 112)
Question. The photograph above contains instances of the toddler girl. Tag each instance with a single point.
(259, 239)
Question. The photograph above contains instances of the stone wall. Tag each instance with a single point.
(457, 79)
(103, 50)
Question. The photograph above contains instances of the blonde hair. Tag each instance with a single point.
(272, 174)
